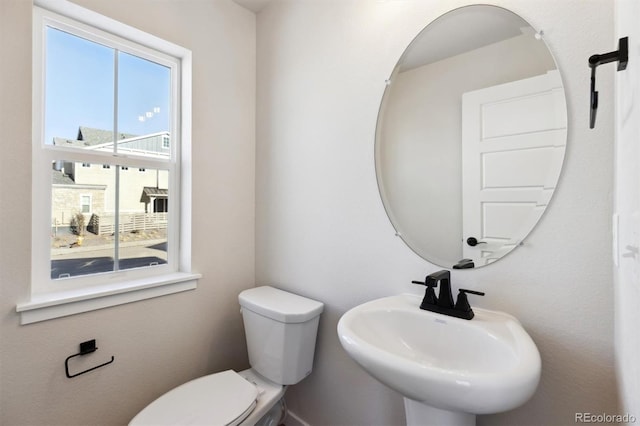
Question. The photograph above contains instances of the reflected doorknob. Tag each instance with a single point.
(472, 241)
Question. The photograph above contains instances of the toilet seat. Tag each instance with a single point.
(224, 398)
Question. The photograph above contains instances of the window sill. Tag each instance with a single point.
(55, 305)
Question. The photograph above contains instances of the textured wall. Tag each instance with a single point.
(321, 230)
(157, 343)
(627, 206)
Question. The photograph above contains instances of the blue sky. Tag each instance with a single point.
(79, 89)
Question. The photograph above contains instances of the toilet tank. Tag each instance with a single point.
(281, 329)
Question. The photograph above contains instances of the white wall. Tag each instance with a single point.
(321, 230)
(420, 160)
(157, 343)
(627, 207)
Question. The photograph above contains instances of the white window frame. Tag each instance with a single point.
(90, 203)
(52, 299)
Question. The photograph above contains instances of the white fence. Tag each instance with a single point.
(105, 223)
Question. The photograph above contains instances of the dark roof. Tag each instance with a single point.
(59, 178)
(88, 136)
(98, 136)
(70, 142)
(150, 191)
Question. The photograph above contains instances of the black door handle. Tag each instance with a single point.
(472, 241)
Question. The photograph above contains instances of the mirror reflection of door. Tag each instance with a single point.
(513, 142)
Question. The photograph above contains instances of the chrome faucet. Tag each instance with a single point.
(443, 304)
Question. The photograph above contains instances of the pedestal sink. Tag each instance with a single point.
(448, 369)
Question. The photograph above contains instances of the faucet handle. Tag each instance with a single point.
(430, 294)
(477, 293)
(462, 304)
(428, 283)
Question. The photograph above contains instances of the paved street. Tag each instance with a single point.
(71, 262)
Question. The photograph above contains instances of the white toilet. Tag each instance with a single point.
(281, 330)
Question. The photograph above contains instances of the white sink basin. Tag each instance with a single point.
(485, 365)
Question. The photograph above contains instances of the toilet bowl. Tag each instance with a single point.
(280, 329)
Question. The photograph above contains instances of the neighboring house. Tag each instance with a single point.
(90, 188)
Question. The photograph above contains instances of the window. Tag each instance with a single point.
(112, 99)
(85, 203)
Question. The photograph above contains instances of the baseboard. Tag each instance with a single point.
(294, 420)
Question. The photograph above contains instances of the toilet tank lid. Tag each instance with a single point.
(280, 305)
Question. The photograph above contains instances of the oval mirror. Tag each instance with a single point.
(471, 137)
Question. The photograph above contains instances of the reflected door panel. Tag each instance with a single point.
(513, 142)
